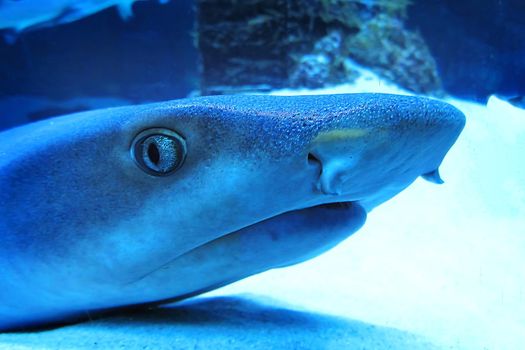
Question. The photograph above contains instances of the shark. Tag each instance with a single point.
(17, 16)
(142, 205)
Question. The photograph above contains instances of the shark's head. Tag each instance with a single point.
(140, 204)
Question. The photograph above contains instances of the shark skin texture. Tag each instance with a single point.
(141, 205)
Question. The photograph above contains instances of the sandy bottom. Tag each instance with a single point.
(230, 322)
(441, 265)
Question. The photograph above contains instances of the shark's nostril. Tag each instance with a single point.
(313, 160)
(315, 163)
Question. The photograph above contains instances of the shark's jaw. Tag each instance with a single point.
(285, 239)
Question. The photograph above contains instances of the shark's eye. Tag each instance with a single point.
(158, 151)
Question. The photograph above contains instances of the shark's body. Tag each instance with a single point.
(93, 217)
(20, 15)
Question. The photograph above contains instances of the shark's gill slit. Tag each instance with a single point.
(158, 151)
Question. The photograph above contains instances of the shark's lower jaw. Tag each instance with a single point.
(286, 239)
(302, 224)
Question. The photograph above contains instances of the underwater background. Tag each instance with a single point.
(436, 267)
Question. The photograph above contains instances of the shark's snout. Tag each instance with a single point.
(363, 161)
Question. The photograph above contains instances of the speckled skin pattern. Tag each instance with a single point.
(84, 229)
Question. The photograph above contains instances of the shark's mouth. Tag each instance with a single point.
(337, 205)
(285, 239)
(313, 228)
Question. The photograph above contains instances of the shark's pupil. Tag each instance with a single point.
(153, 153)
